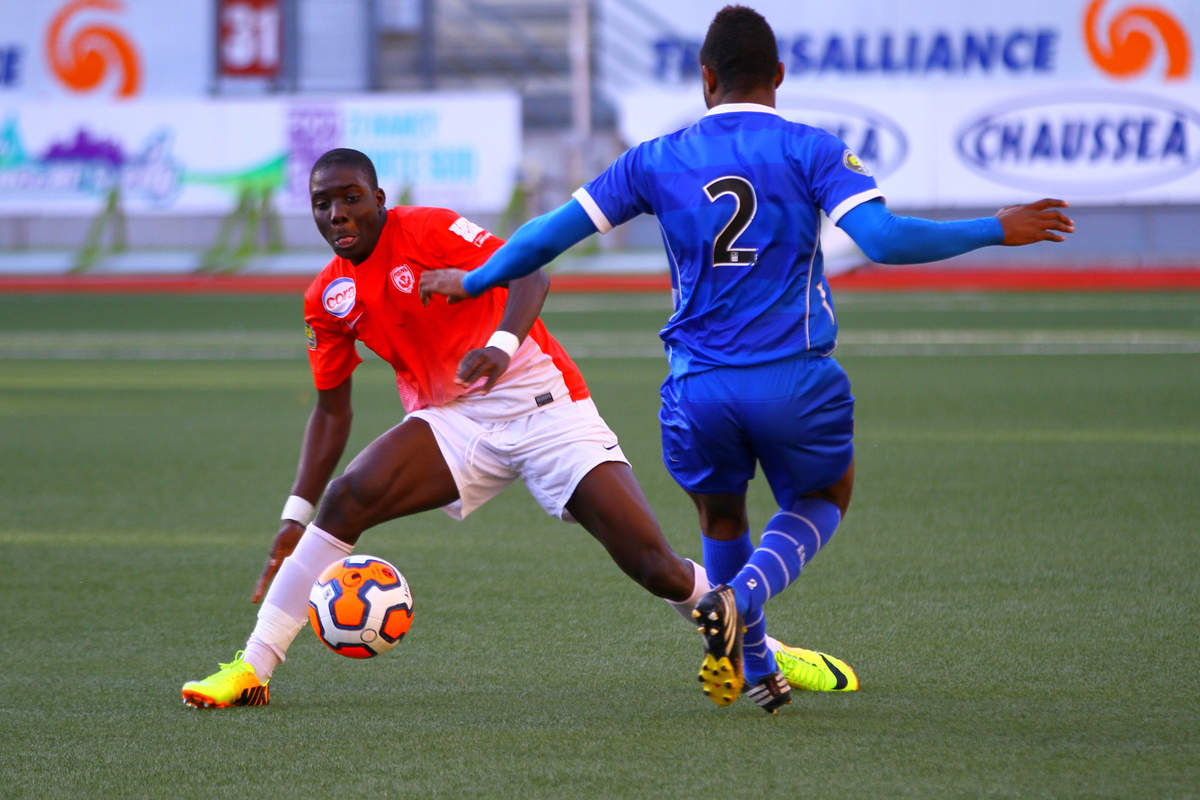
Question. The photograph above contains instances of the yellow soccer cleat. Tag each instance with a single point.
(813, 671)
(721, 676)
(234, 684)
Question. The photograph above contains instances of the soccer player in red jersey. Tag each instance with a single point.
(515, 406)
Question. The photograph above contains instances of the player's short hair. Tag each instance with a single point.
(740, 49)
(351, 158)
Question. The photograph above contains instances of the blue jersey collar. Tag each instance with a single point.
(729, 108)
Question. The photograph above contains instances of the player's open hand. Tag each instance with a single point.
(1035, 222)
(285, 542)
(442, 281)
(483, 362)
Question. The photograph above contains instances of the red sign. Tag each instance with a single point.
(251, 38)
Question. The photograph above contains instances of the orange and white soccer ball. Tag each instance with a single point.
(360, 606)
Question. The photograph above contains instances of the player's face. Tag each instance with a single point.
(348, 212)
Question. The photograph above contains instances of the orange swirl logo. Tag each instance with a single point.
(85, 60)
(1131, 41)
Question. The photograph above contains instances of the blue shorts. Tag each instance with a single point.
(795, 417)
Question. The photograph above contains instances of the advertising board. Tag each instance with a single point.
(105, 49)
(458, 150)
(954, 104)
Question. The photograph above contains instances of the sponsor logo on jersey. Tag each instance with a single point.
(1096, 141)
(851, 162)
(470, 231)
(402, 278)
(310, 336)
(338, 297)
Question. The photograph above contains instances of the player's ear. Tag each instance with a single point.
(380, 198)
(708, 83)
(778, 74)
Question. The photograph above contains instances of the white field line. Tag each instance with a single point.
(243, 345)
(622, 344)
(932, 302)
(151, 345)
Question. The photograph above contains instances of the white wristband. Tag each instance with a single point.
(297, 509)
(505, 341)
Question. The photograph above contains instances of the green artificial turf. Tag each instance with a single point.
(1016, 582)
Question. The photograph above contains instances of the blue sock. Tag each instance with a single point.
(791, 538)
(722, 560)
(756, 656)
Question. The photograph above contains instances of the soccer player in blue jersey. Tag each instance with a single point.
(738, 196)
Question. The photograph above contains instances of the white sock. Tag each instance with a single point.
(284, 609)
(268, 644)
(699, 589)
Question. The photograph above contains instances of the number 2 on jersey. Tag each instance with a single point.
(724, 253)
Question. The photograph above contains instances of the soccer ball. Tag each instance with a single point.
(360, 606)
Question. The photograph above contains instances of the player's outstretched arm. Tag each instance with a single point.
(1035, 222)
(533, 245)
(890, 239)
(324, 442)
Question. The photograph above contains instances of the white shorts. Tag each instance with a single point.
(550, 450)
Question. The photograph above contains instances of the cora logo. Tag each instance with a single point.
(1131, 39)
(83, 55)
(1097, 142)
(338, 297)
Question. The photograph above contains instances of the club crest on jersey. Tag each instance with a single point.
(851, 162)
(470, 231)
(310, 336)
(402, 278)
(338, 297)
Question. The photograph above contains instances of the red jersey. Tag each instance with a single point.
(377, 302)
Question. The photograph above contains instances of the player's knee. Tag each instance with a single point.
(349, 498)
(839, 493)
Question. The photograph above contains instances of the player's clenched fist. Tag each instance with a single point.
(483, 362)
(442, 281)
(1035, 222)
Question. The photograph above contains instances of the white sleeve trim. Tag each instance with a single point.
(593, 211)
(853, 200)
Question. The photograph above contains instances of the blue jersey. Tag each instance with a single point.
(737, 196)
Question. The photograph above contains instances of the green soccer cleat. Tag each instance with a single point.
(813, 671)
(234, 684)
(721, 673)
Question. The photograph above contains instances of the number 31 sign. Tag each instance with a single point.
(250, 38)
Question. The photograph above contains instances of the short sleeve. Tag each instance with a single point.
(458, 242)
(615, 195)
(840, 181)
(332, 355)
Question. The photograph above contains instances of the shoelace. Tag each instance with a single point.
(812, 672)
(237, 659)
